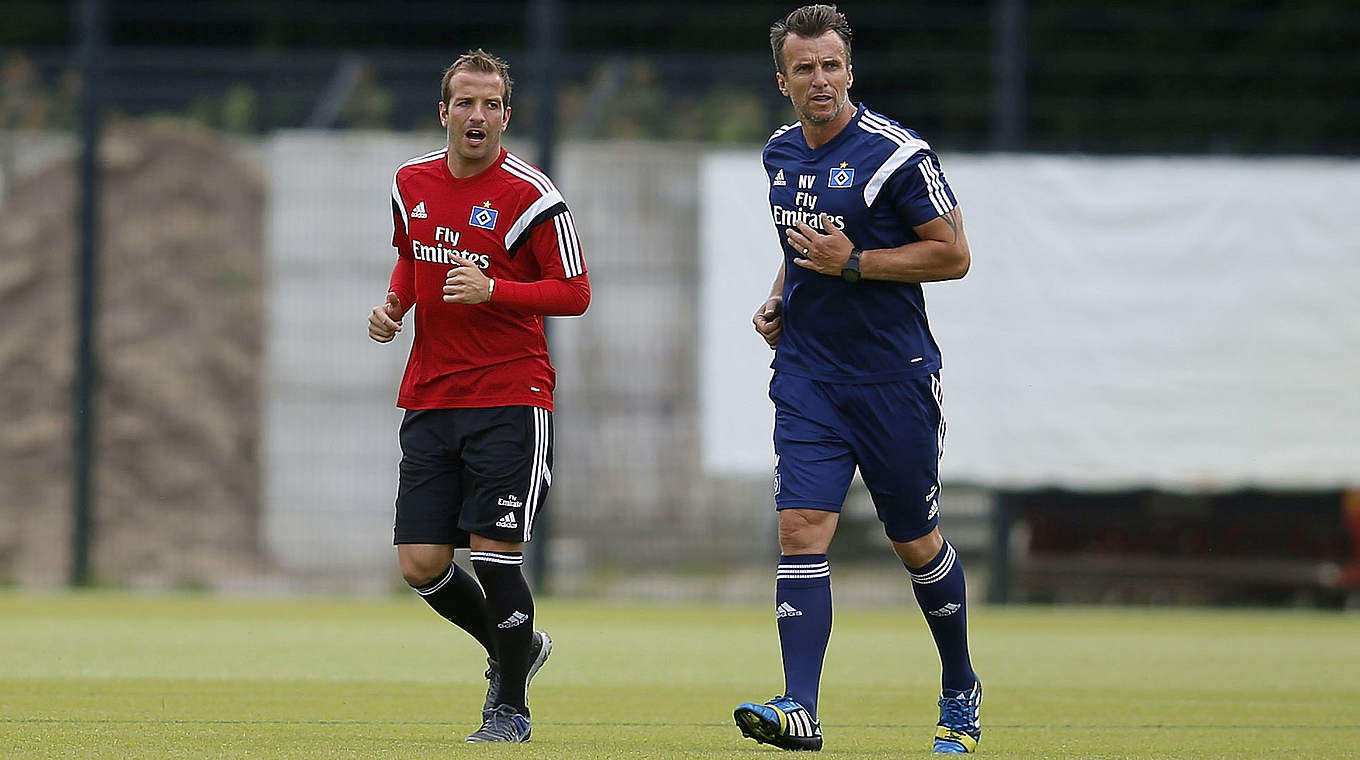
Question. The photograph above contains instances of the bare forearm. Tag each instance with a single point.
(768, 319)
(940, 254)
(922, 261)
(777, 289)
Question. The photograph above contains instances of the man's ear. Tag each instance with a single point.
(783, 84)
(505, 120)
(850, 76)
(443, 114)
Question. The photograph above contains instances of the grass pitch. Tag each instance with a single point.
(107, 675)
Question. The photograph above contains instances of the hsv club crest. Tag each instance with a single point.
(484, 216)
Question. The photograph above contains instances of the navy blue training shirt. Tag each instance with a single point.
(877, 180)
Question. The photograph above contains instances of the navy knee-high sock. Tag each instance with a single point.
(803, 610)
(941, 592)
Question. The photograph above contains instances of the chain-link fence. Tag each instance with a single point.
(226, 458)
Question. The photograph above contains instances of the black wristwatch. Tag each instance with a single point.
(850, 272)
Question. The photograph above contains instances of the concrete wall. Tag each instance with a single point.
(626, 483)
(1059, 347)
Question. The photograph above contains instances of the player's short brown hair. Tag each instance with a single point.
(478, 60)
(809, 21)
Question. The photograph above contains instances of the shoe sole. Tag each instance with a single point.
(754, 726)
(471, 740)
(524, 740)
(538, 662)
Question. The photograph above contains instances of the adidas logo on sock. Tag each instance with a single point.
(786, 610)
(516, 618)
(945, 611)
(508, 521)
(419, 211)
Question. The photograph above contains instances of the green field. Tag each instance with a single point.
(125, 676)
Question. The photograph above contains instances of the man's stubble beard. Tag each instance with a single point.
(818, 122)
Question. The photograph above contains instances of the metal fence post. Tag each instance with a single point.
(545, 35)
(85, 384)
(1008, 75)
(999, 577)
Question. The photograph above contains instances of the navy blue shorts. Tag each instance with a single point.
(894, 433)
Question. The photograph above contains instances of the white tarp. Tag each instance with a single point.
(1181, 323)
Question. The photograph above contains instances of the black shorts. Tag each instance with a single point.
(472, 471)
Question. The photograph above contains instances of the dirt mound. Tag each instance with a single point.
(177, 481)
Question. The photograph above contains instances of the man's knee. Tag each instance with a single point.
(484, 544)
(423, 563)
(920, 552)
(806, 531)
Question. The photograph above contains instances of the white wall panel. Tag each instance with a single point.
(1184, 323)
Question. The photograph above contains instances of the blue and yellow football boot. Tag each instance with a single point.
(960, 726)
(781, 722)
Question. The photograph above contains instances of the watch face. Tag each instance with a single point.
(850, 275)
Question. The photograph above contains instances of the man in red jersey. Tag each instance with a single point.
(485, 249)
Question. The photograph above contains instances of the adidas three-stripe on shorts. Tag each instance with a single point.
(892, 431)
(472, 471)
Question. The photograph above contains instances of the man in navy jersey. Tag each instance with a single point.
(485, 249)
(865, 216)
